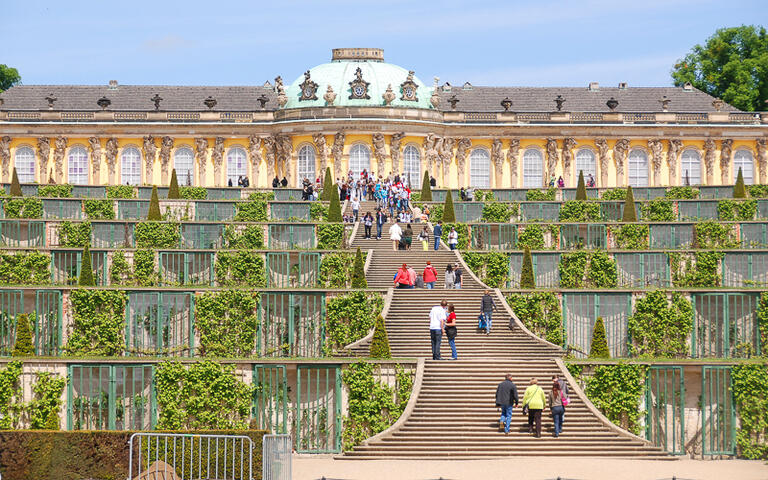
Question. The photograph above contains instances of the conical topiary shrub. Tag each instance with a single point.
(173, 187)
(599, 346)
(327, 186)
(154, 207)
(86, 271)
(449, 215)
(581, 188)
(630, 215)
(358, 271)
(15, 185)
(527, 279)
(23, 346)
(334, 209)
(380, 342)
(426, 188)
(739, 190)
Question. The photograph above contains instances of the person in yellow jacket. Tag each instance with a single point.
(534, 400)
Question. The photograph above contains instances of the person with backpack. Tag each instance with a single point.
(424, 238)
(429, 276)
(403, 278)
(557, 403)
(487, 306)
(534, 401)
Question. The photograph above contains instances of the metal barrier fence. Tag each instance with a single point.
(191, 456)
(276, 457)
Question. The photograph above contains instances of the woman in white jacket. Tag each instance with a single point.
(395, 234)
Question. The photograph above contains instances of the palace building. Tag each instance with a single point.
(358, 112)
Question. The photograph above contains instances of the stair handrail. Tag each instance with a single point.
(368, 261)
(515, 321)
(384, 311)
(352, 235)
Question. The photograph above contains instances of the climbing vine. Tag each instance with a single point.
(119, 270)
(55, 191)
(762, 322)
(532, 237)
(23, 208)
(660, 327)
(336, 270)
(711, 234)
(579, 211)
(240, 268)
(98, 322)
(758, 191)
(247, 237)
(614, 194)
(253, 211)
(658, 210)
(737, 210)
(349, 318)
(44, 408)
(11, 399)
(541, 195)
(25, 268)
(540, 313)
(695, 270)
(73, 234)
(144, 272)
(156, 235)
(750, 396)
(498, 212)
(227, 323)
(99, 209)
(491, 267)
(318, 211)
(193, 193)
(462, 229)
(262, 196)
(329, 235)
(121, 191)
(585, 269)
(631, 236)
(681, 193)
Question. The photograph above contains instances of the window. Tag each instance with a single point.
(585, 162)
(236, 165)
(638, 168)
(77, 167)
(359, 160)
(184, 163)
(130, 166)
(306, 166)
(412, 166)
(533, 169)
(25, 164)
(690, 168)
(480, 168)
(743, 159)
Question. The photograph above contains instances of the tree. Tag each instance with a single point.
(630, 214)
(527, 280)
(739, 190)
(599, 346)
(86, 270)
(154, 206)
(334, 209)
(449, 215)
(173, 187)
(426, 188)
(15, 185)
(380, 342)
(8, 77)
(358, 271)
(731, 65)
(23, 346)
(581, 188)
(327, 186)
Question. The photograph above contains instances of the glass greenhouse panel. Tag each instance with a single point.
(643, 269)
(540, 211)
(741, 269)
(546, 271)
(160, 324)
(665, 408)
(291, 324)
(270, 400)
(214, 211)
(132, 209)
(509, 195)
(289, 237)
(762, 209)
(318, 409)
(614, 211)
(11, 306)
(289, 211)
(570, 193)
(725, 325)
(66, 266)
(580, 236)
(754, 235)
(28, 190)
(201, 237)
(671, 236)
(278, 269)
(145, 193)
(186, 268)
(56, 208)
(697, 210)
(111, 235)
(48, 322)
(89, 191)
(22, 233)
(467, 212)
(718, 419)
(500, 236)
(581, 311)
(287, 194)
(715, 192)
(228, 193)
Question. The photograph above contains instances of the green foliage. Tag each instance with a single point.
(99, 209)
(16, 186)
(193, 193)
(631, 236)
(121, 191)
(318, 212)
(329, 235)
(86, 270)
(587, 269)
(227, 323)
(98, 322)
(156, 235)
(731, 65)
(75, 234)
(44, 408)
(711, 234)
(762, 322)
(328, 185)
(581, 188)
(426, 188)
(334, 209)
(598, 348)
(658, 210)
(119, 270)
(750, 396)
(207, 395)
(758, 191)
(11, 395)
(144, 273)
(614, 194)
(435, 212)
(617, 391)
(462, 229)
(739, 191)
(373, 405)
(243, 237)
(23, 347)
(358, 271)
(695, 270)
(154, 206)
(541, 195)
(629, 214)
(173, 187)
(498, 212)
(252, 211)
(738, 210)
(240, 268)
(380, 342)
(449, 214)
(660, 328)
(527, 279)
(681, 193)
(25, 268)
(491, 267)
(540, 313)
(350, 317)
(55, 191)
(9, 77)
(336, 270)
(23, 208)
(532, 237)
(579, 211)
(261, 196)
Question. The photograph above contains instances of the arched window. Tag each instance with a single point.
(306, 166)
(585, 162)
(24, 161)
(533, 169)
(638, 168)
(77, 166)
(130, 166)
(412, 166)
(690, 168)
(480, 168)
(743, 159)
(359, 160)
(236, 165)
(184, 163)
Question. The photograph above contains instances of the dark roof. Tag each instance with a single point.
(136, 98)
(542, 99)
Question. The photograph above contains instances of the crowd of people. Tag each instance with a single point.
(589, 181)
(534, 402)
(407, 277)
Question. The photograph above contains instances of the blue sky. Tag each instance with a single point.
(535, 43)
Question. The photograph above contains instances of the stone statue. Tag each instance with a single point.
(337, 151)
(254, 152)
(497, 157)
(462, 148)
(388, 95)
(282, 98)
(284, 148)
(430, 151)
(657, 149)
(673, 150)
(269, 151)
(150, 150)
(568, 145)
(710, 147)
(43, 153)
(446, 156)
(552, 156)
(201, 155)
(394, 150)
(94, 146)
(435, 98)
(217, 157)
(512, 153)
(762, 158)
(59, 150)
(321, 145)
(166, 145)
(603, 153)
(110, 154)
(620, 152)
(5, 155)
(726, 155)
(379, 151)
(330, 96)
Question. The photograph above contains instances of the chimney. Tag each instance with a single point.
(113, 84)
(594, 86)
(622, 85)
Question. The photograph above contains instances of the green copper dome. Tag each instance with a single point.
(343, 69)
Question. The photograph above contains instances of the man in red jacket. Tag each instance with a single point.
(430, 276)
